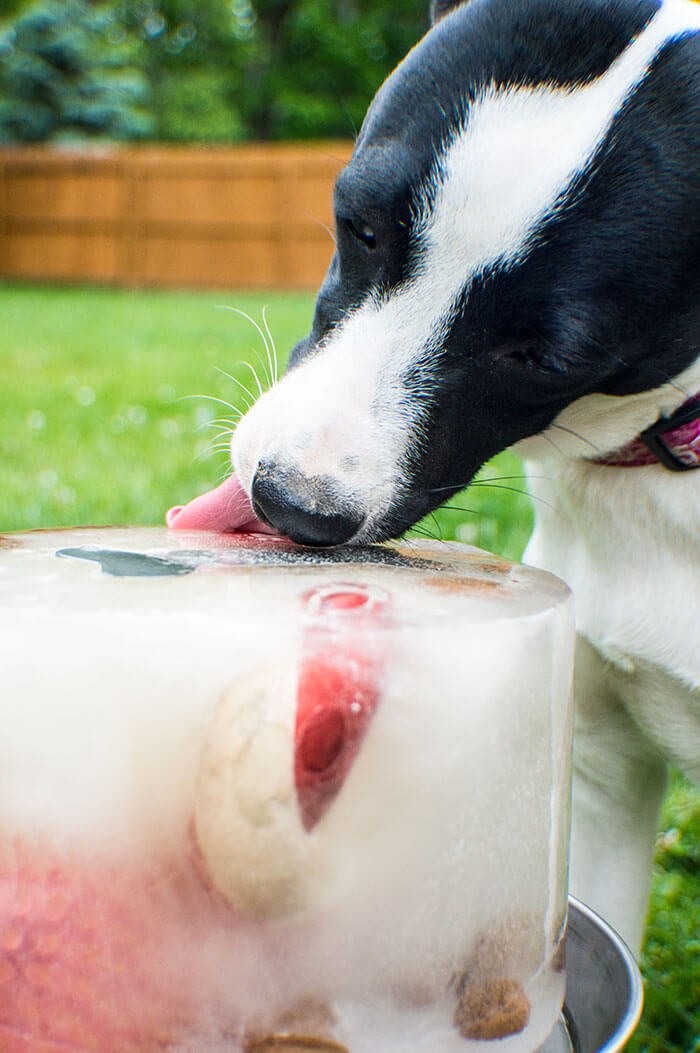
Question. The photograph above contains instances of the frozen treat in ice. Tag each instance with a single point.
(260, 798)
(280, 747)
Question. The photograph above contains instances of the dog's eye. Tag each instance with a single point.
(529, 354)
(361, 232)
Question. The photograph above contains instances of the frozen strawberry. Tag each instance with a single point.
(338, 690)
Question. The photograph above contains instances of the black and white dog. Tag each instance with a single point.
(518, 262)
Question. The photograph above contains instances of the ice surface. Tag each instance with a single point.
(151, 687)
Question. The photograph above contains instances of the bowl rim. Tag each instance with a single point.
(627, 1023)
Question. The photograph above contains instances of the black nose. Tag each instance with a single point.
(307, 510)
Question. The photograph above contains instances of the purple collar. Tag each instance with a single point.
(673, 441)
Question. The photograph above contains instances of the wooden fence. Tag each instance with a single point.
(248, 217)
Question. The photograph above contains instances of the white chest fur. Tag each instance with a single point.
(627, 541)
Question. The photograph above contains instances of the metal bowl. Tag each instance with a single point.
(603, 988)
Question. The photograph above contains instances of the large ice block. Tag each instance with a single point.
(258, 797)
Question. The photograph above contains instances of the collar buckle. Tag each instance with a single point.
(653, 437)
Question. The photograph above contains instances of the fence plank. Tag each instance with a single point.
(252, 216)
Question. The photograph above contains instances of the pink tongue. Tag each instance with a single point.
(225, 508)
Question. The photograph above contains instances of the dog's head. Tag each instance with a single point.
(518, 227)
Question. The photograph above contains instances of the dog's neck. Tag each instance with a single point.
(673, 441)
(605, 429)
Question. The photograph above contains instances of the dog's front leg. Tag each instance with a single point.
(618, 786)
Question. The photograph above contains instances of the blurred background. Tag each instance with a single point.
(211, 71)
(166, 171)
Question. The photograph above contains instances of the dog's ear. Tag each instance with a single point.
(440, 8)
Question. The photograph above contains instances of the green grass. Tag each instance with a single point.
(106, 418)
(106, 402)
(671, 958)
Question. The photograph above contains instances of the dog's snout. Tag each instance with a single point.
(307, 510)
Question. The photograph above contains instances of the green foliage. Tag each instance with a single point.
(11, 8)
(312, 67)
(217, 70)
(192, 61)
(68, 72)
(671, 956)
(196, 109)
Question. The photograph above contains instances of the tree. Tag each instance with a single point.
(210, 70)
(192, 61)
(69, 70)
(269, 69)
(312, 66)
(11, 8)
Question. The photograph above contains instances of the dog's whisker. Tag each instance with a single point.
(521, 493)
(666, 377)
(409, 541)
(212, 451)
(460, 508)
(256, 378)
(422, 528)
(332, 157)
(231, 422)
(438, 536)
(577, 435)
(208, 452)
(509, 478)
(224, 432)
(210, 398)
(673, 383)
(212, 421)
(498, 485)
(490, 479)
(265, 368)
(203, 455)
(222, 424)
(274, 364)
(217, 443)
(221, 438)
(212, 461)
(220, 428)
(422, 532)
(320, 223)
(453, 489)
(269, 367)
(249, 318)
(240, 383)
(550, 440)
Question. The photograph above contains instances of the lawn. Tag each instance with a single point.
(110, 403)
(111, 413)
